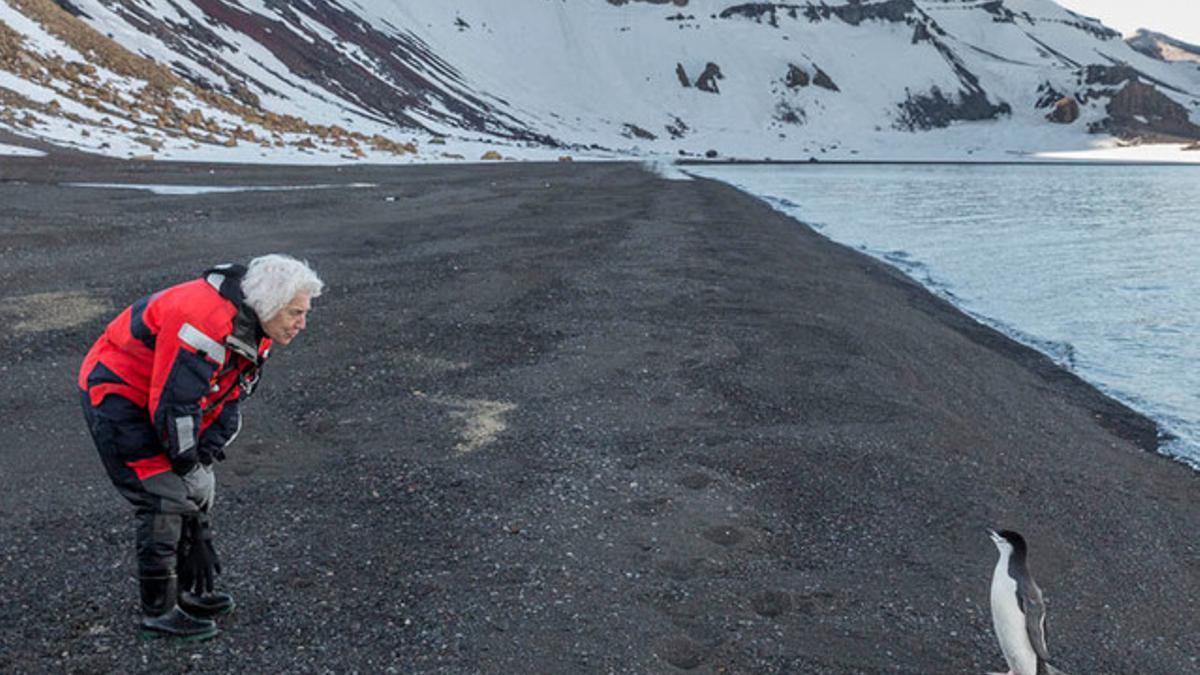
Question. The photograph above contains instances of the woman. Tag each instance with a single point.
(161, 391)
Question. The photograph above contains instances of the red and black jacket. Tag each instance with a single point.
(186, 355)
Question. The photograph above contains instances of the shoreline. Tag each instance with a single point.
(899, 162)
(62, 153)
(1155, 441)
(716, 441)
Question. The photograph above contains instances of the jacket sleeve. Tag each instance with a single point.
(222, 432)
(186, 356)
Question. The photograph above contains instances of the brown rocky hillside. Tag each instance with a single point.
(131, 94)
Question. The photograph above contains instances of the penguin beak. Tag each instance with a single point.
(994, 535)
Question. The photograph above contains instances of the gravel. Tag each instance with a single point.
(556, 418)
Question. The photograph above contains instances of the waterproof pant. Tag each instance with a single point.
(128, 444)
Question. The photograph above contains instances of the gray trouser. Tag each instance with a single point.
(125, 439)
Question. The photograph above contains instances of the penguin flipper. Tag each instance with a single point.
(1035, 618)
(1051, 670)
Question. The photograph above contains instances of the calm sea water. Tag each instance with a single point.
(1097, 266)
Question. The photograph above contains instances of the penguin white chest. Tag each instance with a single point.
(1009, 622)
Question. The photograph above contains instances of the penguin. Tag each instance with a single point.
(1018, 610)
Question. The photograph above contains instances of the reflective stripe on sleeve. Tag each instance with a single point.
(236, 431)
(185, 433)
(196, 339)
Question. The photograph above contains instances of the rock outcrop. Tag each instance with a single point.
(1066, 111)
(1163, 47)
(677, 128)
(634, 131)
(853, 12)
(682, 75)
(796, 76)
(934, 109)
(1109, 75)
(789, 114)
(677, 3)
(822, 79)
(708, 79)
(1140, 109)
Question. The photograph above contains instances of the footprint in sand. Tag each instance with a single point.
(682, 653)
(649, 507)
(695, 481)
(682, 570)
(771, 603)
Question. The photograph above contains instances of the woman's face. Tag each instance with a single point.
(289, 321)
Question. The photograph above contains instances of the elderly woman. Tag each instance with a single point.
(161, 390)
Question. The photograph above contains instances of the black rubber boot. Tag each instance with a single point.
(206, 606)
(161, 616)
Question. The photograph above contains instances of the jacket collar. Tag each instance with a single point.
(247, 333)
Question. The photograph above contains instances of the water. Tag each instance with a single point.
(1094, 265)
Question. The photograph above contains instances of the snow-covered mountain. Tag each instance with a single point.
(427, 80)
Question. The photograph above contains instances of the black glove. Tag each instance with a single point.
(209, 454)
(198, 561)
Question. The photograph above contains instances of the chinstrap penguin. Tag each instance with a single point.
(1018, 610)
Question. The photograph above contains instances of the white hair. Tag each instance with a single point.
(272, 281)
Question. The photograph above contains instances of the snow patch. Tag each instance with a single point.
(664, 169)
(208, 189)
(1171, 153)
(18, 151)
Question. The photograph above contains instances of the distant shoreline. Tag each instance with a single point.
(888, 162)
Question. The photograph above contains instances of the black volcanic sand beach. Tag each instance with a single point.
(570, 418)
